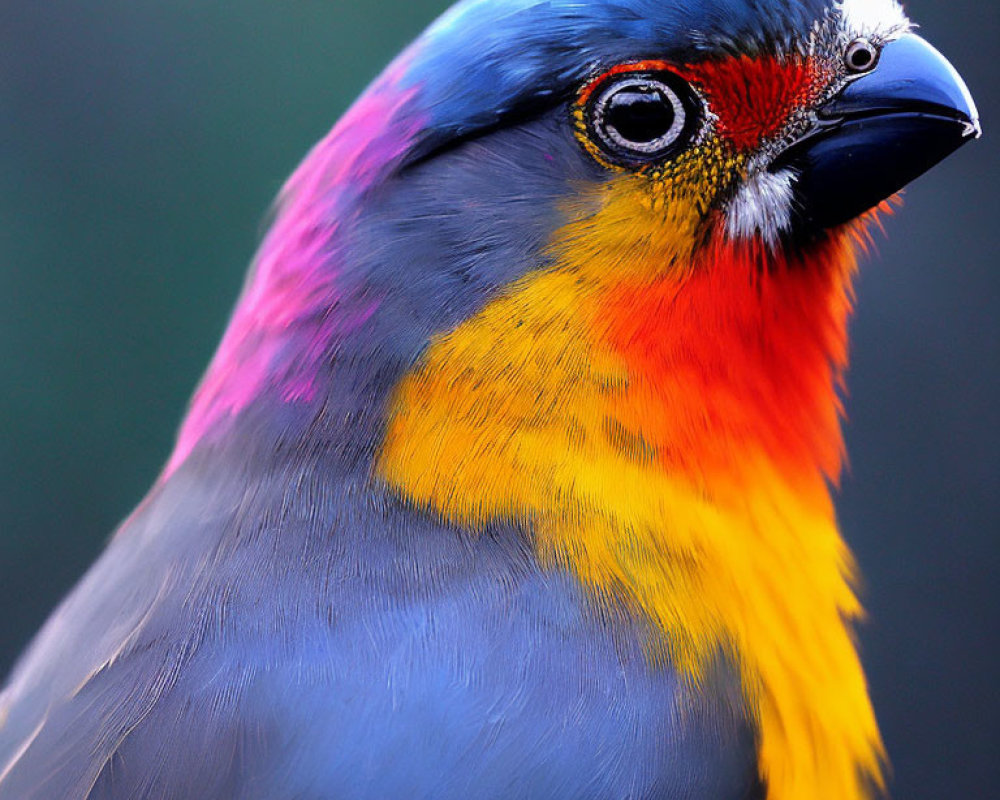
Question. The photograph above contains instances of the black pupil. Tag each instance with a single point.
(640, 114)
(862, 58)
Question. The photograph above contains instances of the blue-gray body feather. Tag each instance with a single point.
(305, 638)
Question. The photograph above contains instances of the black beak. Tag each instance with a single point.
(885, 129)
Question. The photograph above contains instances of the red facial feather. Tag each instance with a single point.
(754, 98)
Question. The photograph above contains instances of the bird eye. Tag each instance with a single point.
(643, 117)
(861, 56)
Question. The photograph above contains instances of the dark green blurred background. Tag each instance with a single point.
(140, 145)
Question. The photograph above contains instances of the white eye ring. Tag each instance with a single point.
(609, 117)
(861, 56)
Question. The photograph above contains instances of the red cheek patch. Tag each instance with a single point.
(755, 98)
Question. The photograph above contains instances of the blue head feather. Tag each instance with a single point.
(486, 60)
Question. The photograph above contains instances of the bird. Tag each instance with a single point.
(513, 475)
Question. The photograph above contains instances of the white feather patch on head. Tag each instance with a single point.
(874, 19)
(762, 207)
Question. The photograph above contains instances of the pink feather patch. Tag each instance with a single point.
(292, 292)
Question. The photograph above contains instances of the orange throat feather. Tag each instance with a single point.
(667, 415)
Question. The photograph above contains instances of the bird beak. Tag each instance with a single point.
(882, 131)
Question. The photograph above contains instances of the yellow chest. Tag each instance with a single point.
(527, 412)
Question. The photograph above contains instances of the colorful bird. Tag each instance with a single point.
(511, 477)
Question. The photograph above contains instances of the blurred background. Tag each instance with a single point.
(141, 143)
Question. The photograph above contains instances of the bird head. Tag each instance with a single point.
(635, 139)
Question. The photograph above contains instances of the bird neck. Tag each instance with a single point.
(670, 428)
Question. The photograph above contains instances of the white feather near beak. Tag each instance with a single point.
(762, 206)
